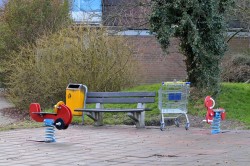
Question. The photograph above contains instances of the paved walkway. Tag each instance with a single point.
(125, 145)
(122, 145)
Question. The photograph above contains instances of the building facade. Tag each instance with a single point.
(130, 19)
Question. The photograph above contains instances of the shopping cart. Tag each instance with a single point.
(173, 99)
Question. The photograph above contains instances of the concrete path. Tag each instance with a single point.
(125, 145)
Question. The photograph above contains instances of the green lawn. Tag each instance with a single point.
(234, 98)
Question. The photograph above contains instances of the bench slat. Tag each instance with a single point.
(120, 94)
(120, 100)
(112, 110)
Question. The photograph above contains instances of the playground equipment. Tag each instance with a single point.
(173, 99)
(60, 119)
(214, 116)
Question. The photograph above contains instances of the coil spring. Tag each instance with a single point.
(49, 130)
(216, 123)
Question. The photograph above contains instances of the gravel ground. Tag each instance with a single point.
(225, 125)
(5, 120)
(5, 105)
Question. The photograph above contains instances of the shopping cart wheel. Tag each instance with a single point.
(176, 122)
(187, 126)
(162, 126)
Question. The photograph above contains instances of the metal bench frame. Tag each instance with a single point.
(101, 98)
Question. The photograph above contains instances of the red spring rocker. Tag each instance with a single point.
(209, 104)
(62, 116)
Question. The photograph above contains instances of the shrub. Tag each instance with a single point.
(41, 72)
(236, 68)
(23, 21)
(27, 20)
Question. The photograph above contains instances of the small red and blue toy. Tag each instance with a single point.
(60, 119)
(214, 116)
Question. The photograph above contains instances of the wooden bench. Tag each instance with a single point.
(101, 98)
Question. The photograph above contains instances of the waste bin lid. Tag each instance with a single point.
(74, 86)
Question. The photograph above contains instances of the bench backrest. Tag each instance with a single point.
(120, 97)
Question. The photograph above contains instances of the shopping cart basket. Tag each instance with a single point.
(173, 99)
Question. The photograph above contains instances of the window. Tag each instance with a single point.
(87, 11)
(2, 3)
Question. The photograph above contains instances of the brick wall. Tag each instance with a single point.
(237, 45)
(156, 66)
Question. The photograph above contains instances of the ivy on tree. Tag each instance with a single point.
(200, 25)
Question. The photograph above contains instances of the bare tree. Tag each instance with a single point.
(128, 14)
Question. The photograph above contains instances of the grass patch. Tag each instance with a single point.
(234, 98)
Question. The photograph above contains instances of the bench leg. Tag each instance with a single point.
(138, 117)
(98, 115)
(91, 116)
(141, 119)
(99, 119)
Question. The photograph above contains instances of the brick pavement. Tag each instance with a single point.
(124, 145)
